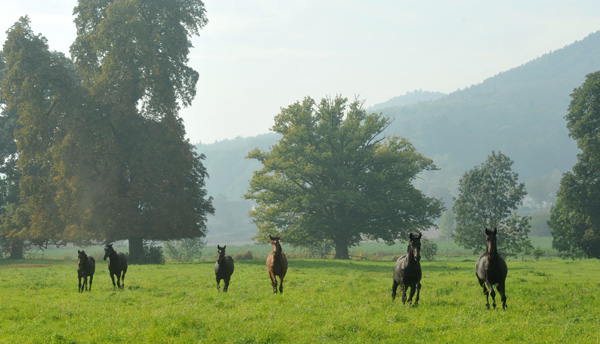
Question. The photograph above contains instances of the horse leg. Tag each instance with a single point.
(273, 282)
(403, 287)
(123, 280)
(226, 283)
(84, 287)
(112, 277)
(418, 292)
(493, 293)
(80, 289)
(281, 284)
(91, 279)
(218, 284)
(413, 289)
(394, 288)
(485, 291)
(502, 292)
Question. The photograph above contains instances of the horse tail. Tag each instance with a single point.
(92, 263)
(123, 261)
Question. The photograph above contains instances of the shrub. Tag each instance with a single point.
(248, 255)
(184, 250)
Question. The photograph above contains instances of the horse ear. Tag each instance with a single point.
(278, 237)
(410, 236)
(78, 251)
(218, 247)
(487, 232)
(420, 235)
(224, 246)
(270, 237)
(495, 230)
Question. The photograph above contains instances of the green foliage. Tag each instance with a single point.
(489, 196)
(428, 249)
(447, 224)
(332, 176)
(324, 301)
(575, 219)
(539, 223)
(151, 255)
(246, 255)
(184, 250)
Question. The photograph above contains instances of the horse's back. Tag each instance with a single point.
(229, 262)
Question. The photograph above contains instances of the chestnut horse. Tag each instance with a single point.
(86, 266)
(117, 265)
(276, 264)
(491, 270)
(223, 268)
(407, 272)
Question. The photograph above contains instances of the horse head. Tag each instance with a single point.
(414, 246)
(221, 252)
(108, 250)
(275, 244)
(81, 258)
(491, 239)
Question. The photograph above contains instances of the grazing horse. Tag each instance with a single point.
(223, 268)
(407, 271)
(491, 270)
(86, 266)
(117, 265)
(276, 264)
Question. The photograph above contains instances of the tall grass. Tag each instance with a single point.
(323, 301)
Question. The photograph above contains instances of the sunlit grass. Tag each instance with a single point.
(323, 301)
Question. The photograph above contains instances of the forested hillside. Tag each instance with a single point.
(519, 112)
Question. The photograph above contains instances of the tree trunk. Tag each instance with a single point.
(16, 249)
(341, 248)
(136, 250)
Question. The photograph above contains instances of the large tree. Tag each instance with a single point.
(489, 196)
(132, 57)
(334, 177)
(575, 219)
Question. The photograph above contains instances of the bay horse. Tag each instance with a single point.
(407, 272)
(276, 264)
(491, 270)
(117, 265)
(86, 266)
(223, 268)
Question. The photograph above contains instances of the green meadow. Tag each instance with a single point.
(324, 301)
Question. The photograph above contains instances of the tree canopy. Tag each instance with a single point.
(489, 196)
(575, 219)
(333, 177)
(100, 144)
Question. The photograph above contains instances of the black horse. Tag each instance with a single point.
(117, 265)
(407, 272)
(86, 266)
(491, 270)
(223, 268)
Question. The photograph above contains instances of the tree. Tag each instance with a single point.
(132, 57)
(332, 176)
(489, 196)
(575, 219)
(447, 224)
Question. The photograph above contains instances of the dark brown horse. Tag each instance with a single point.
(276, 264)
(117, 265)
(223, 268)
(491, 270)
(407, 272)
(86, 266)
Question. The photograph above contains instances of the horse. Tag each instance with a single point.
(86, 266)
(223, 268)
(276, 264)
(407, 271)
(117, 265)
(491, 270)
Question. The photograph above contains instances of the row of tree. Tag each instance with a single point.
(93, 148)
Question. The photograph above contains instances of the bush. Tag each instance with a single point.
(152, 255)
(248, 255)
(184, 250)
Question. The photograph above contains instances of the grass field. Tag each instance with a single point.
(324, 301)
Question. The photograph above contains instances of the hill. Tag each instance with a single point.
(519, 112)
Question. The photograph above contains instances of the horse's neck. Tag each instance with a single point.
(114, 258)
(493, 255)
(411, 256)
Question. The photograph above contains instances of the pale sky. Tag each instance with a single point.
(256, 56)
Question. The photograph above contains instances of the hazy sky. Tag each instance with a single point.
(256, 56)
